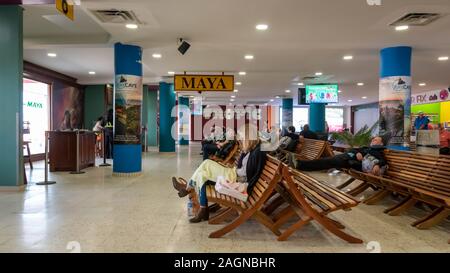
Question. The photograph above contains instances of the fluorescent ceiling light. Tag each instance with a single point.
(238, 83)
(262, 27)
(401, 28)
(271, 100)
(422, 84)
(364, 97)
(91, 72)
(53, 55)
(360, 84)
(233, 97)
(350, 100)
(319, 73)
(288, 91)
(300, 84)
(339, 91)
(235, 91)
(348, 57)
(131, 26)
(242, 73)
(156, 55)
(249, 57)
(444, 58)
(171, 73)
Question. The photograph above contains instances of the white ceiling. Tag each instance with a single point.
(304, 37)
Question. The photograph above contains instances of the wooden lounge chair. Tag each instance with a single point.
(309, 149)
(418, 177)
(252, 208)
(310, 199)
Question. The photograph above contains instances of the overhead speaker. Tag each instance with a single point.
(183, 47)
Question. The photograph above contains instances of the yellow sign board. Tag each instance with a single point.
(204, 83)
(64, 7)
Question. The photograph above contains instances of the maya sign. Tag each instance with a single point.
(431, 97)
(204, 83)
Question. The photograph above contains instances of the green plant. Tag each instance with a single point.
(360, 139)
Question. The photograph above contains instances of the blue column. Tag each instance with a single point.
(127, 115)
(395, 96)
(11, 83)
(152, 137)
(166, 104)
(317, 117)
(287, 107)
(183, 122)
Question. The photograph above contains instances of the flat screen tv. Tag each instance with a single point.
(322, 93)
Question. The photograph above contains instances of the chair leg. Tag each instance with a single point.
(231, 226)
(404, 205)
(359, 189)
(29, 156)
(273, 205)
(221, 217)
(266, 221)
(336, 223)
(437, 216)
(284, 216)
(376, 197)
(330, 226)
(346, 183)
(288, 232)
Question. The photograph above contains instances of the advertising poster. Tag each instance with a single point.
(395, 110)
(128, 101)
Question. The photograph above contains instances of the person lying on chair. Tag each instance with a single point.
(249, 168)
(367, 159)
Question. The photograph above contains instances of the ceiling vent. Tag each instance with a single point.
(114, 16)
(417, 19)
(310, 78)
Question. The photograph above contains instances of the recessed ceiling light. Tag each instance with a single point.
(319, 73)
(348, 57)
(262, 27)
(91, 72)
(249, 57)
(238, 83)
(401, 28)
(277, 97)
(171, 73)
(53, 55)
(350, 100)
(233, 97)
(288, 91)
(364, 97)
(300, 84)
(265, 104)
(271, 100)
(235, 91)
(339, 91)
(156, 55)
(422, 84)
(242, 73)
(443, 58)
(131, 26)
(360, 84)
(191, 96)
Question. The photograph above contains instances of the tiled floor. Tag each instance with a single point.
(101, 213)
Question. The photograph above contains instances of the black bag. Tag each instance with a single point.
(225, 150)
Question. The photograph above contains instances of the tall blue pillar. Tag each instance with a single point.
(11, 83)
(317, 117)
(287, 106)
(128, 108)
(395, 96)
(183, 122)
(166, 121)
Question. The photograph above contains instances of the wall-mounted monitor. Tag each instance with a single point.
(322, 93)
(302, 96)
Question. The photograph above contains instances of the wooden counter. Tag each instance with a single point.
(63, 150)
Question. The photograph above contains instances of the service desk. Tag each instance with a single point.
(63, 150)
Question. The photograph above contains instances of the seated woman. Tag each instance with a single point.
(248, 170)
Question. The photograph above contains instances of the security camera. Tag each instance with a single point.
(184, 46)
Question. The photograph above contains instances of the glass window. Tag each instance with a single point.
(335, 119)
(300, 117)
(35, 114)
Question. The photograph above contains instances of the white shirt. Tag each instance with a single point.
(242, 171)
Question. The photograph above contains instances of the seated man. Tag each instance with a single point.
(444, 137)
(291, 133)
(368, 159)
(306, 133)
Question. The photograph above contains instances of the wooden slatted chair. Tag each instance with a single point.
(230, 158)
(310, 199)
(308, 149)
(252, 208)
(419, 177)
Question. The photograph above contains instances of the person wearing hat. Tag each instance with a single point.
(421, 122)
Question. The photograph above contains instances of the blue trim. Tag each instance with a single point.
(317, 117)
(127, 158)
(287, 104)
(399, 148)
(127, 59)
(395, 61)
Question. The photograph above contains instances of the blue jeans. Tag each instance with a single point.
(202, 194)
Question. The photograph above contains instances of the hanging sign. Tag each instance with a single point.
(204, 83)
(65, 8)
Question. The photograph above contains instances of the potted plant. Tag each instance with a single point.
(360, 139)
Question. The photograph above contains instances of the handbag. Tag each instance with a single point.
(237, 190)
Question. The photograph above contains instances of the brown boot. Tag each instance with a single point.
(202, 215)
(181, 188)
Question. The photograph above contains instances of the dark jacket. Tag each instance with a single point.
(294, 136)
(309, 134)
(255, 166)
(375, 151)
